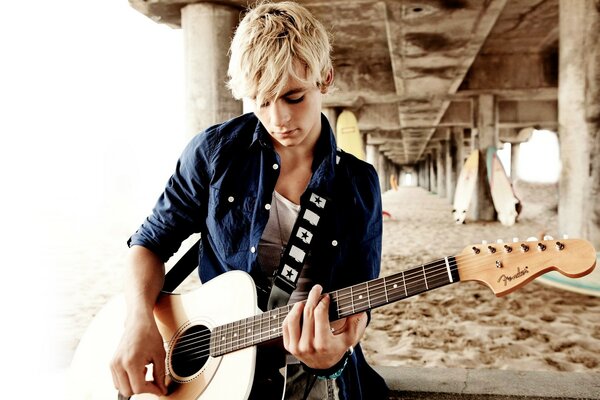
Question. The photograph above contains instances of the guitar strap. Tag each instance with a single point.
(184, 267)
(297, 250)
(294, 257)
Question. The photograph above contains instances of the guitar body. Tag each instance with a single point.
(227, 298)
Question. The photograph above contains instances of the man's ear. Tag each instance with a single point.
(328, 81)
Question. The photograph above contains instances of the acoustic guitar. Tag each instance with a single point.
(211, 334)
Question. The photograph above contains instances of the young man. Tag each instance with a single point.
(241, 184)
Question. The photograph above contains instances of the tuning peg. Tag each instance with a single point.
(548, 237)
(565, 236)
(515, 240)
(532, 239)
(499, 241)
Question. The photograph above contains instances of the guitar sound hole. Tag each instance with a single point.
(191, 351)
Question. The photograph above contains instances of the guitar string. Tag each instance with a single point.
(202, 351)
(407, 275)
(340, 298)
(375, 294)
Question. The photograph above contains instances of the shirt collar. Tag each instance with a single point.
(261, 137)
(324, 158)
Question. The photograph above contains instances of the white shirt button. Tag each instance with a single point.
(334, 243)
(275, 166)
(230, 199)
(252, 249)
(267, 206)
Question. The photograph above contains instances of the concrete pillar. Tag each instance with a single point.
(450, 173)
(432, 171)
(442, 173)
(482, 206)
(515, 150)
(381, 171)
(458, 156)
(458, 136)
(427, 173)
(579, 119)
(389, 171)
(332, 114)
(372, 154)
(207, 32)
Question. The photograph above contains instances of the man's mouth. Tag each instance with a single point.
(285, 133)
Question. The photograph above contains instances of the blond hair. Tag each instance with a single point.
(268, 42)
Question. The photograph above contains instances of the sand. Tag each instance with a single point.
(465, 325)
(462, 325)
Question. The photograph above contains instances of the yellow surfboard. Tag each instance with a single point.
(348, 135)
(465, 187)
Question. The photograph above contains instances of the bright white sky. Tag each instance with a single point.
(89, 92)
(539, 158)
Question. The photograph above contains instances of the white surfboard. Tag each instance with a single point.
(507, 204)
(465, 187)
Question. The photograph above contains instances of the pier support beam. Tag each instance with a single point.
(442, 172)
(432, 157)
(579, 119)
(207, 32)
(427, 173)
(515, 150)
(381, 171)
(450, 172)
(482, 207)
(457, 150)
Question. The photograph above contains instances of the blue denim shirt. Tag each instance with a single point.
(222, 187)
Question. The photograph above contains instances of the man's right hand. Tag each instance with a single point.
(140, 345)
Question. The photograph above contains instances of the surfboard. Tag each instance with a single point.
(507, 204)
(589, 284)
(348, 135)
(394, 182)
(465, 187)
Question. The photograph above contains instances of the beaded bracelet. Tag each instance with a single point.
(333, 372)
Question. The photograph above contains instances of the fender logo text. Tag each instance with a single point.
(509, 278)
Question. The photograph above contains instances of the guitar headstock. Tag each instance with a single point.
(505, 267)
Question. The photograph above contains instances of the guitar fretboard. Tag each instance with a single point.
(344, 302)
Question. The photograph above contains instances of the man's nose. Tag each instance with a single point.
(280, 113)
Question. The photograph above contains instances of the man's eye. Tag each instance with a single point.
(294, 101)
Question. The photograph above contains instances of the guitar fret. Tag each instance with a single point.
(334, 310)
(387, 300)
(345, 302)
(273, 324)
(236, 336)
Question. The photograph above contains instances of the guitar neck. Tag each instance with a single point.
(344, 302)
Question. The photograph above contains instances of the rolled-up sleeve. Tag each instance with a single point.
(180, 209)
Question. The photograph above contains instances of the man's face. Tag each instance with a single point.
(294, 118)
